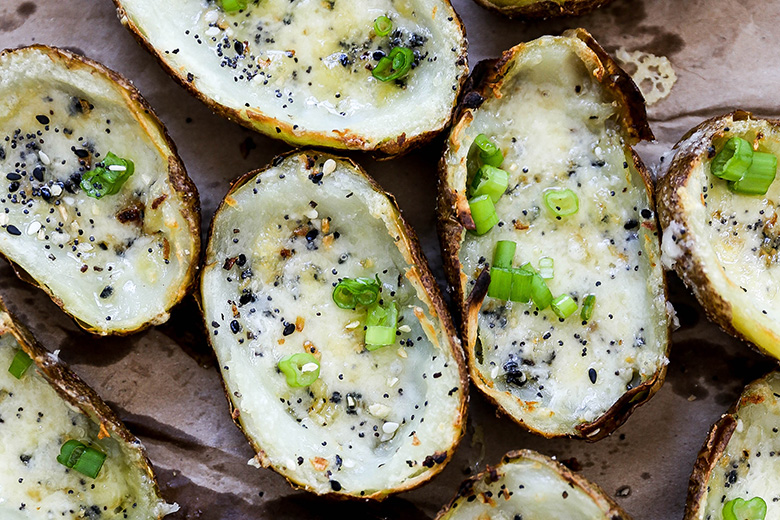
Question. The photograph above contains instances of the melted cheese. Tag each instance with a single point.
(750, 464)
(307, 63)
(279, 245)
(109, 274)
(554, 124)
(34, 423)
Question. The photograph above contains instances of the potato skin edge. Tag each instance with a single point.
(543, 9)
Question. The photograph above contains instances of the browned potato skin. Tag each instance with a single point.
(544, 9)
(184, 188)
(688, 266)
(72, 389)
(455, 217)
(272, 127)
(711, 451)
(424, 277)
(493, 473)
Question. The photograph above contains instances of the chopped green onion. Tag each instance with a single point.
(500, 283)
(301, 369)
(587, 307)
(547, 267)
(540, 293)
(491, 181)
(733, 161)
(20, 364)
(740, 509)
(562, 202)
(351, 292)
(76, 455)
(504, 254)
(489, 153)
(483, 212)
(563, 306)
(107, 177)
(521, 285)
(759, 175)
(394, 66)
(381, 325)
(383, 25)
(233, 5)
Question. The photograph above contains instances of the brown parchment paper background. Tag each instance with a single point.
(726, 54)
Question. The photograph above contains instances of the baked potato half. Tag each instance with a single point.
(531, 486)
(534, 9)
(46, 405)
(739, 465)
(364, 420)
(564, 117)
(312, 73)
(724, 245)
(97, 209)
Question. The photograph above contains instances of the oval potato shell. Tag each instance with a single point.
(535, 9)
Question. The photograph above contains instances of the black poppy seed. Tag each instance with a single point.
(235, 327)
(289, 328)
(592, 375)
(106, 292)
(13, 177)
(13, 230)
(42, 119)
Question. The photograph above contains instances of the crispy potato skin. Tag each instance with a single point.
(494, 473)
(412, 245)
(73, 390)
(183, 186)
(544, 9)
(455, 218)
(689, 266)
(259, 122)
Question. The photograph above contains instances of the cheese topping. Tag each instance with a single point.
(374, 419)
(555, 125)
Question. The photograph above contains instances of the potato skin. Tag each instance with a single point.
(542, 9)
(74, 390)
(259, 122)
(575, 480)
(184, 188)
(412, 245)
(692, 147)
(454, 216)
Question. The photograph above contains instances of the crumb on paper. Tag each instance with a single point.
(653, 74)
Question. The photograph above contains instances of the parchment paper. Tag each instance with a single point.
(725, 54)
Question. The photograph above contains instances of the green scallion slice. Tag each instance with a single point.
(491, 181)
(300, 370)
(381, 325)
(20, 364)
(383, 25)
(521, 285)
(504, 253)
(587, 307)
(733, 161)
(563, 306)
(233, 5)
(394, 66)
(483, 212)
(351, 292)
(540, 293)
(489, 153)
(500, 283)
(547, 267)
(107, 177)
(759, 175)
(741, 509)
(561, 202)
(77, 456)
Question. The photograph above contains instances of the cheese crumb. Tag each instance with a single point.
(653, 74)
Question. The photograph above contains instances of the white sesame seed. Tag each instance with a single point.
(309, 367)
(392, 381)
(212, 31)
(405, 328)
(494, 373)
(56, 189)
(402, 353)
(211, 16)
(117, 168)
(329, 167)
(348, 463)
(33, 228)
(41, 234)
(379, 410)
(43, 157)
(63, 212)
(352, 325)
(3, 219)
(390, 427)
(312, 214)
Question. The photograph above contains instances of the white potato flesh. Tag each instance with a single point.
(307, 63)
(34, 423)
(531, 488)
(374, 420)
(555, 124)
(59, 118)
(750, 464)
